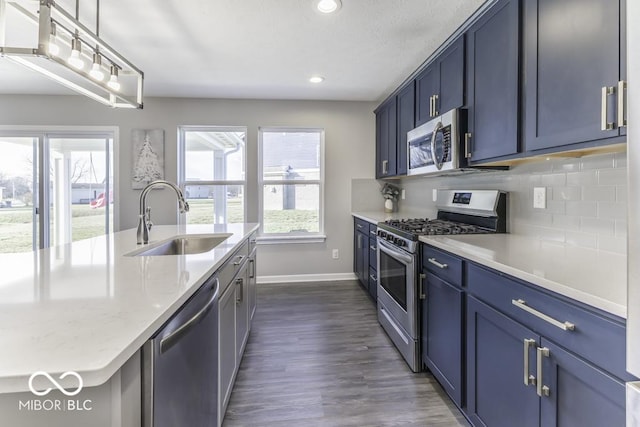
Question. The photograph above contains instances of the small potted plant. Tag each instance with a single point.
(390, 193)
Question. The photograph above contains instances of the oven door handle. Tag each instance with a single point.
(401, 256)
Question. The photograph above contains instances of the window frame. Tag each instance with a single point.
(297, 237)
(182, 181)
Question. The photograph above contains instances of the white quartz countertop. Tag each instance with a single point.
(376, 216)
(593, 277)
(86, 307)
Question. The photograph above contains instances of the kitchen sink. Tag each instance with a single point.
(182, 245)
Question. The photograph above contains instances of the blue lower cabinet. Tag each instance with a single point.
(577, 394)
(442, 335)
(496, 366)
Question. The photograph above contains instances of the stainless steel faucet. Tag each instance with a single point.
(144, 218)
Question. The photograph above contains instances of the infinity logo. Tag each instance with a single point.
(55, 383)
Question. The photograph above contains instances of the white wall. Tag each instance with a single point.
(349, 153)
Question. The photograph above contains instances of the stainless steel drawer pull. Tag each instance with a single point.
(435, 105)
(565, 326)
(239, 261)
(385, 167)
(372, 277)
(622, 89)
(528, 379)
(541, 389)
(373, 248)
(467, 145)
(437, 264)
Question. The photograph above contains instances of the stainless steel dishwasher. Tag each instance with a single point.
(180, 365)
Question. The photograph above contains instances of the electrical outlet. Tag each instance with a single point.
(434, 195)
(540, 197)
(335, 254)
(402, 194)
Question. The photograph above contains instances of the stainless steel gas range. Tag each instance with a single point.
(399, 284)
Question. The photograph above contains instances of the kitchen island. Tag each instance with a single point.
(87, 307)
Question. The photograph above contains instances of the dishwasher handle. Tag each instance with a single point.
(170, 340)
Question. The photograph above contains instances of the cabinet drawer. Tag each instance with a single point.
(596, 337)
(361, 225)
(229, 269)
(444, 265)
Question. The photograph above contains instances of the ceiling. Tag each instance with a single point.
(264, 49)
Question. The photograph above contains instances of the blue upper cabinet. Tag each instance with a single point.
(493, 83)
(406, 100)
(386, 139)
(440, 86)
(573, 58)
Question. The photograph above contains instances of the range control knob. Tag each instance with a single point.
(401, 243)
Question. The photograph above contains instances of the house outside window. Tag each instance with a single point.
(291, 184)
(213, 173)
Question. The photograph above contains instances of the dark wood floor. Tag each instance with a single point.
(318, 357)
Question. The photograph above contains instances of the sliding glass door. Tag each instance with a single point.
(56, 188)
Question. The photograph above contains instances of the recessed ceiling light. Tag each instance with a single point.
(328, 6)
(316, 79)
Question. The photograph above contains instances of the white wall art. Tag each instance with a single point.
(148, 156)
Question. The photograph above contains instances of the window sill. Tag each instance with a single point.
(276, 240)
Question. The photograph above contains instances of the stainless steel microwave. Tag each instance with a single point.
(434, 146)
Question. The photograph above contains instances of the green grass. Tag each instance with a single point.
(16, 228)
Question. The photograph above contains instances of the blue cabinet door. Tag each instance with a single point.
(493, 83)
(440, 86)
(579, 394)
(442, 335)
(571, 52)
(386, 139)
(406, 100)
(496, 393)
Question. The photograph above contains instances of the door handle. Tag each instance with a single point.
(240, 282)
(528, 379)
(622, 90)
(170, 340)
(605, 124)
(431, 106)
(437, 264)
(467, 145)
(522, 304)
(435, 105)
(252, 269)
(541, 389)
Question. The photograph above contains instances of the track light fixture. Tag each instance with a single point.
(65, 47)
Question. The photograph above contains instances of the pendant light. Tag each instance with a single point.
(113, 82)
(53, 47)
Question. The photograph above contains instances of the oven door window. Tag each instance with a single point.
(420, 152)
(393, 278)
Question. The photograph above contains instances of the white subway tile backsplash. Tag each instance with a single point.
(586, 198)
(598, 226)
(612, 244)
(599, 193)
(582, 208)
(609, 210)
(567, 193)
(612, 176)
(583, 178)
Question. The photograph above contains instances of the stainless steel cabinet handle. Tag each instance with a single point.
(240, 282)
(167, 342)
(541, 389)
(528, 379)
(372, 277)
(565, 326)
(373, 248)
(421, 293)
(435, 105)
(359, 225)
(622, 90)
(606, 91)
(431, 106)
(359, 241)
(437, 264)
(252, 270)
(373, 232)
(467, 145)
(385, 167)
(239, 261)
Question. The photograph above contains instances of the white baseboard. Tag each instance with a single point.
(329, 277)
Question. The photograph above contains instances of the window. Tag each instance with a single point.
(55, 187)
(212, 173)
(291, 184)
